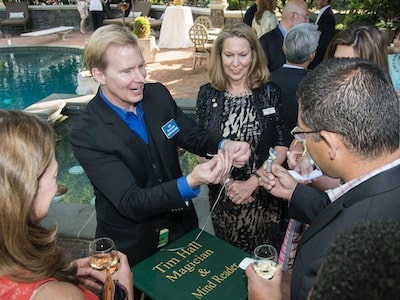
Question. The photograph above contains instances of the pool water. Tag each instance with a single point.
(29, 74)
(79, 187)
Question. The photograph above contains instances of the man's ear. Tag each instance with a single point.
(98, 75)
(333, 141)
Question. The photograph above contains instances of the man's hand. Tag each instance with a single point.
(238, 151)
(211, 171)
(263, 289)
(279, 182)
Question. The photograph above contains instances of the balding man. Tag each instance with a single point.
(294, 12)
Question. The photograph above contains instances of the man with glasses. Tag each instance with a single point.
(349, 119)
(294, 12)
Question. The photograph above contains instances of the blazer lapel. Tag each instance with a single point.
(382, 182)
(119, 128)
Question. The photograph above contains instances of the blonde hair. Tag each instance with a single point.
(105, 36)
(27, 250)
(258, 73)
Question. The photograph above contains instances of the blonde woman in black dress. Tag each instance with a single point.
(241, 104)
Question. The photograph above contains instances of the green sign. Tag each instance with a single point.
(207, 268)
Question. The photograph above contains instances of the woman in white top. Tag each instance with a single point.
(264, 18)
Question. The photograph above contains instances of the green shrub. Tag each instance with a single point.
(141, 27)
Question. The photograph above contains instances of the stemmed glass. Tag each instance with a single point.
(123, 6)
(104, 257)
(265, 263)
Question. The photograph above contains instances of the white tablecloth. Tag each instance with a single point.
(174, 31)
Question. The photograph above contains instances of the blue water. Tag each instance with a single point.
(29, 74)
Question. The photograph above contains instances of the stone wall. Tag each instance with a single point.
(43, 17)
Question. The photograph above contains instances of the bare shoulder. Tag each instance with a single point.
(58, 290)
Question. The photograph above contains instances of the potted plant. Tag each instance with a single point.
(141, 28)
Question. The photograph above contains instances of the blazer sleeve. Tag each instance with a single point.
(307, 203)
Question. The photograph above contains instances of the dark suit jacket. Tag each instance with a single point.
(135, 183)
(249, 14)
(374, 199)
(288, 79)
(326, 25)
(272, 43)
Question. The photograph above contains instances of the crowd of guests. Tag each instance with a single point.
(318, 99)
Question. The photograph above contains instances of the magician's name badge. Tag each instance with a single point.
(170, 128)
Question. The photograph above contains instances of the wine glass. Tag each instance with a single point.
(123, 6)
(265, 263)
(103, 255)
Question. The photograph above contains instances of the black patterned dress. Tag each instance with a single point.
(245, 118)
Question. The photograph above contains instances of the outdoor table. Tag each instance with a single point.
(174, 31)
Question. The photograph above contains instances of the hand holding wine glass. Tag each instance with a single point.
(266, 258)
(103, 255)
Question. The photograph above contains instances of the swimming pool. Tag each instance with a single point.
(29, 74)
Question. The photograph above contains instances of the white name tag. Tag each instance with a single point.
(268, 111)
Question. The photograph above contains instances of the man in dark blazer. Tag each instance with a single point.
(299, 47)
(294, 12)
(127, 141)
(349, 116)
(326, 25)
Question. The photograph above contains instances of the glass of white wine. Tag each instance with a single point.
(265, 263)
(103, 255)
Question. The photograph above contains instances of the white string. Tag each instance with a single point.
(226, 180)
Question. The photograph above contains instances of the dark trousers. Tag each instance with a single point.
(97, 18)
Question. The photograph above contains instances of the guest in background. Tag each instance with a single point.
(294, 12)
(249, 14)
(299, 47)
(326, 25)
(97, 13)
(83, 13)
(264, 18)
(32, 266)
(107, 9)
(362, 41)
(242, 104)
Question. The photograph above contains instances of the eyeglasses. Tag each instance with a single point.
(300, 135)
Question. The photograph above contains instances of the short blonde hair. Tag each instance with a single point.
(105, 36)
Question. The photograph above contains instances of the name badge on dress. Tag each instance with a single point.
(268, 111)
(170, 128)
